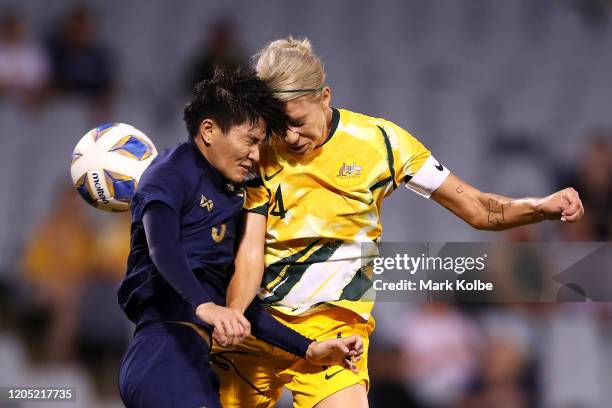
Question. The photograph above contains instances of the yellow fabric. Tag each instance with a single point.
(321, 209)
(269, 368)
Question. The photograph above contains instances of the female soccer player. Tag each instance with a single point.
(317, 199)
(186, 215)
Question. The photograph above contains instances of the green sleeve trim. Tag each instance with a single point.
(262, 209)
(390, 159)
(381, 183)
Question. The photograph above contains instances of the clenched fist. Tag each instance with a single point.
(564, 205)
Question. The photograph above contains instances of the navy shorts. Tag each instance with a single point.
(167, 365)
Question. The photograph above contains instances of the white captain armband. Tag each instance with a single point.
(428, 178)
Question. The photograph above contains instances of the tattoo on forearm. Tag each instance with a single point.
(459, 189)
(496, 212)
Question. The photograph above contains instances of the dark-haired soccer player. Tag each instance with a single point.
(186, 217)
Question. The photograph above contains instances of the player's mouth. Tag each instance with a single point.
(299, 149)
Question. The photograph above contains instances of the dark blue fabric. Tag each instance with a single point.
(161, 227)
(167, 366)
(182, 265)
(263, 325)
(270, 330)
(185, 223)
(182, 179)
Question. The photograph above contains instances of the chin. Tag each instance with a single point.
(306, 152)
(237, 179)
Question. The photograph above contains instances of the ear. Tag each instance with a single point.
(207, 128)
(326, 97)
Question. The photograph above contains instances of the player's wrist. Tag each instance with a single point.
(542, 210)
(237, 306)
(310, 354)
(203, 308)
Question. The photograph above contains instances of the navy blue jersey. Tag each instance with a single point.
(209, 210)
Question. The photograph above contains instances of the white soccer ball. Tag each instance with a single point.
(107, 164)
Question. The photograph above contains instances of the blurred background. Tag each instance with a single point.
(514, 97)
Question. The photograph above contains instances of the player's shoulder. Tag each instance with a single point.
(170, 164)
(358, 123)
(355, 119)
(355, 122)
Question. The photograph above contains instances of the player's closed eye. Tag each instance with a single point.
(299, 122)
(253, 141)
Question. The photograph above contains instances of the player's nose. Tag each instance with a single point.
(292, 137)
(254, 154)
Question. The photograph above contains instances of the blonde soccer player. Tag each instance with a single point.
(318, 197)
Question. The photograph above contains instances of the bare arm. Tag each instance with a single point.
(249, 263)
(487, 211)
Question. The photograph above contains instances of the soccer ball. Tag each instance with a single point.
(107, 164)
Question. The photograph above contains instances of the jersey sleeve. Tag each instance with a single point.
(160, 184)
(270, 330)
(257, 197)
(162, 229)
(411, 162)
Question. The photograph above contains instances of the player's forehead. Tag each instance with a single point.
(300, 107)
(249, 129)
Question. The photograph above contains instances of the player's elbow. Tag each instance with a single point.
(477, 224)
(480, 226)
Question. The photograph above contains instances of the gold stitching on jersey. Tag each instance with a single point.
(216, 236)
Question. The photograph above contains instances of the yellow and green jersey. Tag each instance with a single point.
(321, 208)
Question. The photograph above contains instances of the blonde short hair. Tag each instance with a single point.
(290, 68)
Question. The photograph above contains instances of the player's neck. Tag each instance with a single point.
(329, 117)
